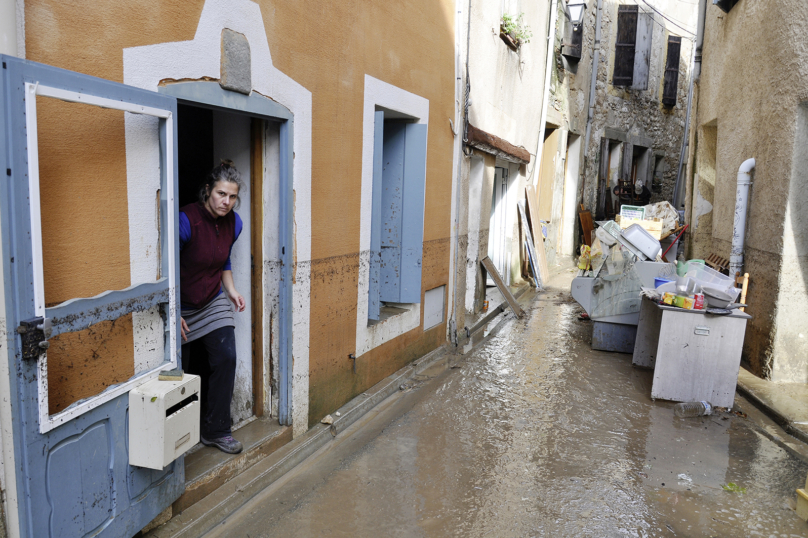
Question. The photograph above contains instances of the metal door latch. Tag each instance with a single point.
(34, 333)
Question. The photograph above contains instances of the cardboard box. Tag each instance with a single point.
(652, 226)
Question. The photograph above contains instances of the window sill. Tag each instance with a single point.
(389, 310)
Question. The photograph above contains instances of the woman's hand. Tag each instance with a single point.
(184, 330)
(237, 299)
(232, 293)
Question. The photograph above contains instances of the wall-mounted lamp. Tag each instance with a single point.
(575, 11)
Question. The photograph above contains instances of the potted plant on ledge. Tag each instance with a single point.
(513, 31)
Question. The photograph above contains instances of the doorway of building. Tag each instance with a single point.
(206, 137)
(497, 241)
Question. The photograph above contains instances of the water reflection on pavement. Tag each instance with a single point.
(535, 434)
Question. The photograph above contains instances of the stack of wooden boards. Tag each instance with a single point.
(534, 243)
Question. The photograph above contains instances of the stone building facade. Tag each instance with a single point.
(613, 130)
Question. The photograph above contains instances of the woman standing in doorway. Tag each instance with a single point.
(208, 229)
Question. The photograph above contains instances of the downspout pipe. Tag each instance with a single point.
(699, 39)
(739, 225)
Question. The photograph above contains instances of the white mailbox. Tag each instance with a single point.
(163, 421)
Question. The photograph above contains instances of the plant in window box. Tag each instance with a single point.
(513, 31)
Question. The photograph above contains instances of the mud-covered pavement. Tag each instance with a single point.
(535, 434)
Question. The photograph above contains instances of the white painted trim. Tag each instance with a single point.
(144, 67)
(88, 99)
(46, 421)
(33, 196)
(387, 96)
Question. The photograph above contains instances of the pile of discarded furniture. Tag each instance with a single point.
(680, 318)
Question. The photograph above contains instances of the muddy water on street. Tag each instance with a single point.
(535, 434)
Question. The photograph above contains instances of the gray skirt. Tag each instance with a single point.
(216, 314)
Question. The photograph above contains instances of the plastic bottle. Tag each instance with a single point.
(692, 409)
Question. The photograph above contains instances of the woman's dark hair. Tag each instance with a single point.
(226, 171)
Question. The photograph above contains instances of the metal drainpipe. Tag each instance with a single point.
(700, 38)
(739, 224)
(546, 98)
(593, 82)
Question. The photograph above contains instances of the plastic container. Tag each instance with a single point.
(720, 298)
(692, 409)
(659, 281)
(687, 286)
(642, 241)
(683, 267)
(709, 277)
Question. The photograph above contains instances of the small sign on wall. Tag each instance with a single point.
(434, 301)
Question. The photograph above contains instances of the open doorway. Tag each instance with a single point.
(205, 137)
(497, 241)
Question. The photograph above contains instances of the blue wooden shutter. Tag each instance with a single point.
(412, 238)
(402, 222)
(391, 223)
(376, 217)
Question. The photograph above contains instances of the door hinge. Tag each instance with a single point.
(34, 333)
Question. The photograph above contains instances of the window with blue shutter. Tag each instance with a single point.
(397, 215)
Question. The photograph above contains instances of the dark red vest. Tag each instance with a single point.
(203, 257)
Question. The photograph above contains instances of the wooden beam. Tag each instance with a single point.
(503, 289)
(257, 270)
(531, 201)
(477, 138)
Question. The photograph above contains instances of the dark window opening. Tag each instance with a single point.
(672, 72)
(625, 45)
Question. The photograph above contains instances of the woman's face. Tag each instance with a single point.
(222, 197)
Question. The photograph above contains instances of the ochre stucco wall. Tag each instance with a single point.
(754, 78)
(328, 48)
(409, 45)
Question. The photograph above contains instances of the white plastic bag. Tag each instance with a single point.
(666, 212)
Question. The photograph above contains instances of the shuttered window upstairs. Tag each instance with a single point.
(672, 72)
(625, 45)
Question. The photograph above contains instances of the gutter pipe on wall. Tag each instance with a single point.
(593, 83)
(700, 39)
(739, 225)
(546, 98)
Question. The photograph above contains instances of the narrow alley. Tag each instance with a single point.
(535, 434)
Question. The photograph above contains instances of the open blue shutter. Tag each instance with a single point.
(376, 217)
(391, 224)
(412, 236)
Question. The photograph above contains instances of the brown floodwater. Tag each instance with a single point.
(534, 434)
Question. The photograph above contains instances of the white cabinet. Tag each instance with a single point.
(695, 356)
(163, 421)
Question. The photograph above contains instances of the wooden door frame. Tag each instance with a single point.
(257, 253)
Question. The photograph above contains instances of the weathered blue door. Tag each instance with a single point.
(73, 476)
